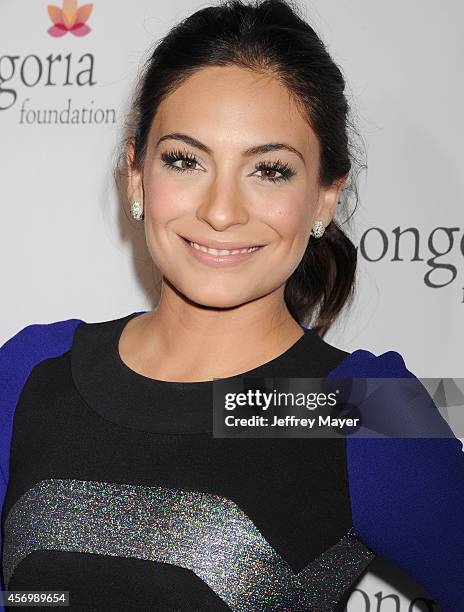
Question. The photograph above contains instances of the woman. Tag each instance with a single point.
(114, 488)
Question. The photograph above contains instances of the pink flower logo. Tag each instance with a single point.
(69, 19)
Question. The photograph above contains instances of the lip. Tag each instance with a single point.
(217, 244)
(218, 261)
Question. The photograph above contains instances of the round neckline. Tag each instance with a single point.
(184, 385)
(125, 398)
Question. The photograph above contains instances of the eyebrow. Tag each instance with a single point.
(256, 150)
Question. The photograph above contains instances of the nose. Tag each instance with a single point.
(223, 205)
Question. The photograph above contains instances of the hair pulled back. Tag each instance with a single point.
(270, 37)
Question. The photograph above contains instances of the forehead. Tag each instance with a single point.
(232, 107)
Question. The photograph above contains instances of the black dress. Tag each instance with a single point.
(119, 493)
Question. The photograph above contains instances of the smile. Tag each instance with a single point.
(219, 257)
(205, 249)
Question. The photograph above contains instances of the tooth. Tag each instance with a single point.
(216, 252)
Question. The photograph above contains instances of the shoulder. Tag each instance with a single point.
(389, 399)
(42, 331)
(26, 348)
(18, 356)
(361, 362)
(33, 343)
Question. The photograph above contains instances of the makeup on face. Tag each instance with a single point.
(218, 258)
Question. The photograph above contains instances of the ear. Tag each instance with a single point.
(134, 183)
(328, 200)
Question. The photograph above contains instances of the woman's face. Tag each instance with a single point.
(199, 182)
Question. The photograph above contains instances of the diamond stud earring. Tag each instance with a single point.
(137, 211)
(318, 229)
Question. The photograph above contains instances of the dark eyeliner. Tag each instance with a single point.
(283, 167)
(170, 157)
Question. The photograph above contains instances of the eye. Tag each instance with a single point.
(171, 157)
(284, 169)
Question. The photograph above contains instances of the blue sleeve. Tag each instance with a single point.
(18, 356)
(407, 494)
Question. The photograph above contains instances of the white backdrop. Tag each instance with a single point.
(63, 228)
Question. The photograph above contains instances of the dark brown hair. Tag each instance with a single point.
(270, 36)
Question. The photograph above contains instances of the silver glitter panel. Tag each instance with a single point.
(199, 531)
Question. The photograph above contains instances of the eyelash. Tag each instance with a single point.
(170, 157)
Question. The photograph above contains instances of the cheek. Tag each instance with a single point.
(289, 215)
(165, 199)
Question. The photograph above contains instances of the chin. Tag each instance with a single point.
(217, 300)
